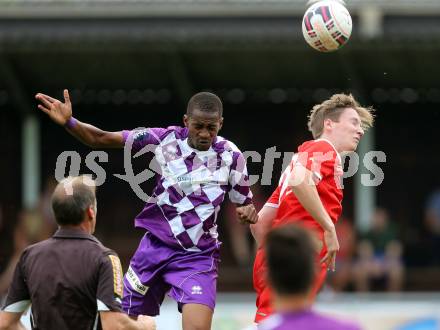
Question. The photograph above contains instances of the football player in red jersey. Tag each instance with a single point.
(309, 191)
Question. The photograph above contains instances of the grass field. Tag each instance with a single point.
(405, 311)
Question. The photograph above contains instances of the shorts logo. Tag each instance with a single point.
(135, 282)
(196, 289)
(117, 275)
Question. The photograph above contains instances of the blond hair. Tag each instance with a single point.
(332, 109)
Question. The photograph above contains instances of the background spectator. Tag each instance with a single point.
(379, 255)
(432, 226)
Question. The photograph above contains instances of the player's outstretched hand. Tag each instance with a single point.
(58, 111)
(147, 322)
(247, 214)
(332, 244)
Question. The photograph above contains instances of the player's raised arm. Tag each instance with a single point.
(61, 113)
(301, 183)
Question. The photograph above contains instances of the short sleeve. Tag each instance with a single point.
(239, 192)
(318, 157)
(274, 199)
(140, 138)
(18, 298)
(110, 284)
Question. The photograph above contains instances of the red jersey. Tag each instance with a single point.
(321, 158)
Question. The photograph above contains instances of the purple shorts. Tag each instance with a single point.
(157, 269)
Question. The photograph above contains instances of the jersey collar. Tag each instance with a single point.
(333, 146)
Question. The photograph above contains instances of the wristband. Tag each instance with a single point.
(125, 134)
(71, 123)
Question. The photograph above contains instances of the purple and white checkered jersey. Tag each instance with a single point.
(190, 186)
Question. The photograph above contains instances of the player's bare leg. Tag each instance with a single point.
(196, 317)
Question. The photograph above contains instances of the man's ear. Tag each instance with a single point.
(328, 124)
(91, 212)
(221, 123)
(186, 120)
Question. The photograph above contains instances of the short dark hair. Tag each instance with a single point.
(71, 199)
(290, 256)
(205, 102)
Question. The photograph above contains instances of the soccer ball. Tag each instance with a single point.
(327, 25)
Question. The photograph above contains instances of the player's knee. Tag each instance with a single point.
(196, 317)
(196, 326)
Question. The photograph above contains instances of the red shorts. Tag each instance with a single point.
(264, 299)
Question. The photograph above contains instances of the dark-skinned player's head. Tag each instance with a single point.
(203, 119)
(290, 253)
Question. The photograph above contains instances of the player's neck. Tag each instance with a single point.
(291, 303)
(84, 226)
(331, 140)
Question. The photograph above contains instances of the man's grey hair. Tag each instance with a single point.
(71, 199)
